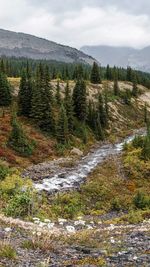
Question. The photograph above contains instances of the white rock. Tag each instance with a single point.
(61, 221)
(36, 219)
(50, 225)
(47, 221)
(80, 222)
(112, 240)
(76, 151)
(8, 229)
(70, 229)
(41, 224)
(89, 227)
(37, 222)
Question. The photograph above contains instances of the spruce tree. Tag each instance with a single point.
(80, 101)
(108, 73)
(62, 126)
(18, 139)
(145, 114)
(99, 130)
(135, 88)
(58, 96)
(69, 107)
(25, 93)
(116, 86)
(5, 91)
(95, 74)
(102, 111)
(42, 101)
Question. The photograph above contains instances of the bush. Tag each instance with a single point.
(138, 141)
(13, 183)
(19, 141)
(141, 201)
(4, 171)
(19, 205)
(7, 251)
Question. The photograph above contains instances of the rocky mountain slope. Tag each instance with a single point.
(13, 44)
(121, 56)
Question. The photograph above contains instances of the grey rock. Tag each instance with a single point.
(13, 44)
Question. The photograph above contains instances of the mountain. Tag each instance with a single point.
(120, 56)
(13, 44)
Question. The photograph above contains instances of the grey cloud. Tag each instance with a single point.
(80, 22)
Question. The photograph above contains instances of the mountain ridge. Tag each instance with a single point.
(121, 56)
(18, 44)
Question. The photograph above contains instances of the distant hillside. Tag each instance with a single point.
(14, 44)
(120, 56)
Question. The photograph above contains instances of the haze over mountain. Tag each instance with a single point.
(13, 44)
(120, 56)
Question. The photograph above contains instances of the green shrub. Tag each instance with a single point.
(4, 171)
(19, 205)
(141, 201)
(138, 141)
(19, 141)
(7, 251)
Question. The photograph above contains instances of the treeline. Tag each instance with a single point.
(13, 67)
(60, 115)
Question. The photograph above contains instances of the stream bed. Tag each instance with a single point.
(63, 180)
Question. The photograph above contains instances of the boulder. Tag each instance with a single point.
(76, 151)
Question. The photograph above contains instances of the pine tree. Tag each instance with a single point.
(102, 111)
(99, 129)
(42, 101)
(69, 108)
(5, 91)
(135, 88)
(108, 73)
(127, 97)
(145, 114)
(62, 126)
(18, 139)
(95, 74)
(79, 100)
(58, 96)
(25, 93)
(129, 74)
(116, 86)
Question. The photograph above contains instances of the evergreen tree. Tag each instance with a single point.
(69, 107)
(116, 86)
(58, 96)
(95, 74)
(18, 139)
(102, 111)
(5, 91)
(99, 129)
(25, 93)
(108, 73)
(135, 88)
(42, 102)
(129, 74)
(79, 100)
(62, 126)
(127, 97)
(145, 114)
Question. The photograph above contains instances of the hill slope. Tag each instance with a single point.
(13, 44)
(121, 56)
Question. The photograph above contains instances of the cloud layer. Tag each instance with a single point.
(78, 23)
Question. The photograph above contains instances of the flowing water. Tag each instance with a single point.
(75, 176)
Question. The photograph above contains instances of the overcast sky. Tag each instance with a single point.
(80, 22)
